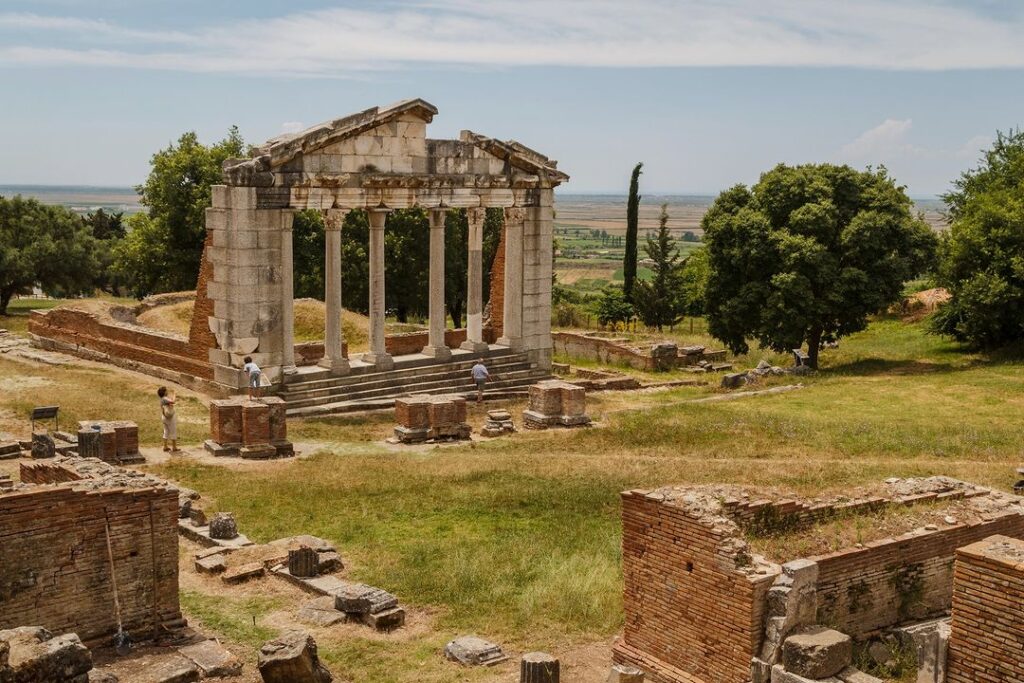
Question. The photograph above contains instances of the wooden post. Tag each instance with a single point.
(538, 667)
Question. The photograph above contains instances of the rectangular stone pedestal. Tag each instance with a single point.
(422, 418)
(556, 403)
(255, 429)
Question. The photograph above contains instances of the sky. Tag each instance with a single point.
(707, 94)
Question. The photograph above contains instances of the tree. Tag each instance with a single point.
(657, 301)
(808, 254)
(109, 230)
(981, 259)
(693, 282)
(632, 231)
(456, 263)
(46, 246)
(612, 307)
(177, 194)
(308, 257)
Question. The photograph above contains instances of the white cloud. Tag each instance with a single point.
(883, 34)
(291, 126)
(885, 139)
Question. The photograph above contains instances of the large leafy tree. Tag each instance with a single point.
(632, 232)
(108, 229)
(807, 254)
(658, 300)
(48, 246)
(982, 256)
(164, 254)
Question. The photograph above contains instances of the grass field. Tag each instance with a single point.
(517, 539)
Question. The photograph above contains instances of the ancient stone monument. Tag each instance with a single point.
(423, 418)
(250, 429)
(556, 403)
(377, 160)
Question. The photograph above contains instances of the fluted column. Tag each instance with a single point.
(378, 354)
(512, 332)
(474, 282)
(435, 344)
(334, 340)
(287, 295)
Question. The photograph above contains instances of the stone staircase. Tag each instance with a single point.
(314, 392)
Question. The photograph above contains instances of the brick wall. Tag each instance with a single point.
(55, 571)
(201, 339)
(692, 616)
(119, 340)
(496, 302)
(986, 642)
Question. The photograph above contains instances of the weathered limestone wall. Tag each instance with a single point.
(693, 612)
(986, 642)
(538, 237)
(55, 571)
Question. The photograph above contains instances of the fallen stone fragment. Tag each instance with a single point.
(385, 620)
(170, 669)
(321, 612)
(780, 675)
(358, 598)
(538, 667)
(243, 572)
(212, 659)
(303, 562)
(97, 676)
(623, 673)
(852, 675)
(474, 651)
(817, 652)
(31, 653)
(223, 526)
(292, 658)
(212, 564)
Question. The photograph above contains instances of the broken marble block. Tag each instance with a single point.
(358, 598)
(223, 526)
(817, 652)
(31, 653)
(292, 658)
(474, 651)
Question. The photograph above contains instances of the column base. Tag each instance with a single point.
(337, 366)
(437, 352)
(289, 370)
(381, 361)
(474, 346)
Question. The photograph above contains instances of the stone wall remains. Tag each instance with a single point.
(986, 642)
(56, 572)
(495, 306)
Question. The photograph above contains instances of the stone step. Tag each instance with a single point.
(299, 392)
(443, 384)
(496, 390)
(323, 378)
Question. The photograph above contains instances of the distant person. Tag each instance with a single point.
(253, 372)
(169, 419)
(480, 376)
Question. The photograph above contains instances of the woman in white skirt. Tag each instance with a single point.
(169, 419)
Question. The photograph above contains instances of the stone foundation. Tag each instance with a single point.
(113, 442)
(425, 418)
(986, 641)
(556, 403)
(254, 429)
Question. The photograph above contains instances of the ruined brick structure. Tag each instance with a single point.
(56, 572)
(986, 642)
(696, 595)
(249, 428)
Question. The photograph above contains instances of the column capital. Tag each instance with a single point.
(378, 217)
(287, 219)
(334, 218)
(515, 214)
(476, 215)
(437, 218)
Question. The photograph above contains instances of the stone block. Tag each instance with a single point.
(413, 412)
(817, 652)
(212, 659)
(278, 421)
(385, 620)
(539, 667)
(31, 653)
(211, 564)
(321, 612)
(474, 651)
(292, 658)
(358, 598)
(243, 573)
(852, 675)
(43, 446)
(174, 668)
(223, 526)
(255, 423)
(780, 675)
(303, 562)
(624, 673)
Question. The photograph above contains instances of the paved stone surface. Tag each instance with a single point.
(817, 652)
(243, 573)
(174, 668)
(212, 659)
(211, 564)
(321, 612)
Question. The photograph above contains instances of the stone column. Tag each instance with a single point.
(334, 339)
(435, 345)
(512, 334)
(287, 295)
(378, 354)
(474, 282)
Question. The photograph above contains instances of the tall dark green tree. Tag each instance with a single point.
(46, 246)
(982, 255)
(108, 229)
(632, 231)
(658, 300)
(456, 264)
(808, 254)
(162, 251)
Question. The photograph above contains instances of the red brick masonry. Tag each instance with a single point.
(986, 642)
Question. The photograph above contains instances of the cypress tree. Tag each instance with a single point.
(632, 230)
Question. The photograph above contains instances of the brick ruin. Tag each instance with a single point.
(702, 607)
(254, 429)
(556, 403)
(56, 571)
(987, 632)
(423, 418)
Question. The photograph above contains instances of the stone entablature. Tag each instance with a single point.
(377, 160)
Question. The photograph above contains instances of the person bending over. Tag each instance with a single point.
(253, 372)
